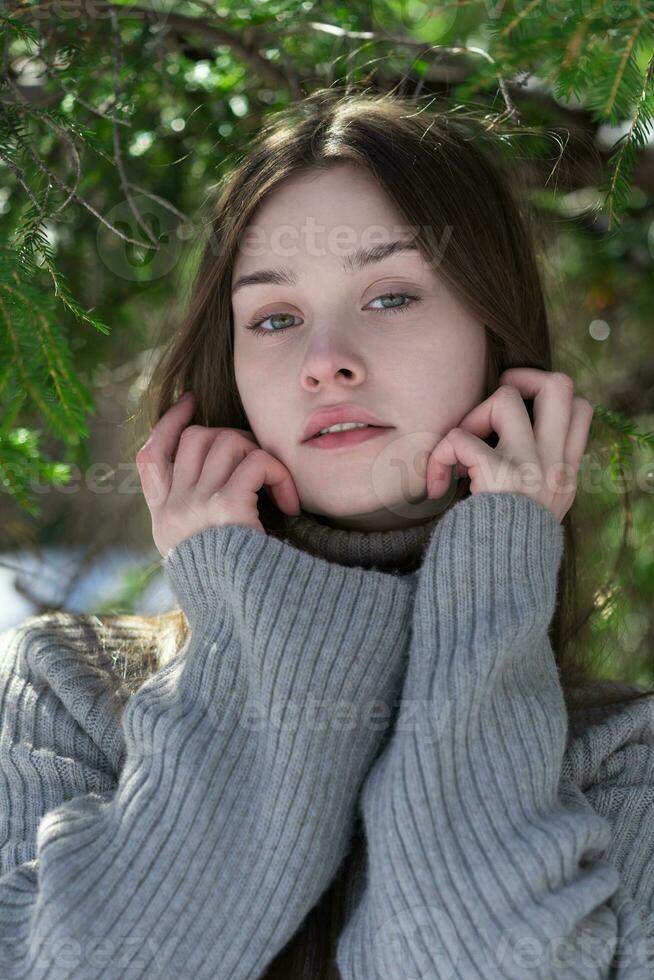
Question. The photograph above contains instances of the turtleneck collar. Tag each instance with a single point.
(398, 550)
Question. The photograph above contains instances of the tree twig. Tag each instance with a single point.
(118, 153)
(214, 30)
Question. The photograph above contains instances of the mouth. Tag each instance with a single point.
(349, 437)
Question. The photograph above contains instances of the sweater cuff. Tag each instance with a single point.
(285, 605)
(496, 556)
(192, 568)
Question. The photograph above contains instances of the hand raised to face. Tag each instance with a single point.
(195, 476)
(540, 461)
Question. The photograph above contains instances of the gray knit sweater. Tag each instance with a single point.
(186, 832)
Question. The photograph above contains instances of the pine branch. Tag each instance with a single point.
(21, 462)
(32, 341)
(623, 161)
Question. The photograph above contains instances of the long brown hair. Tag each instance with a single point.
(443, 171)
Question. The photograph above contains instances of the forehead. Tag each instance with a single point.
(321, 215)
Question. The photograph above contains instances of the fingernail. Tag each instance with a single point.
(187, 394)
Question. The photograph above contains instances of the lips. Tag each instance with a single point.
(338, 432)
(347, 438)
(345, 412)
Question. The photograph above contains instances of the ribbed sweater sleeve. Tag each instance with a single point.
(491, 854)
(236, 799)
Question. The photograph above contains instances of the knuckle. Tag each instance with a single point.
(563, 380)
(228, 435)
(223, 505)
(508, 391)
(192, 432)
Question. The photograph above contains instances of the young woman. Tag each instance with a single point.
(367, 748)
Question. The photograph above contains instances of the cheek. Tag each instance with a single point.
(264, 400)
(444, 388)
(250, 376)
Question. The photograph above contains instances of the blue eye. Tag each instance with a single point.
(254, 324)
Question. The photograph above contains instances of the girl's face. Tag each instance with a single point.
(418, 364)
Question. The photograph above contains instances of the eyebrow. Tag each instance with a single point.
(353, 263)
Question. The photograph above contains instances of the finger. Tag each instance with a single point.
(552, 393)
(504, 412)
(258, 469)
(192, 448)
(244, 432)
(577, 440)
(461, 447)
(227, 449)
(154, 459)
(194, 445)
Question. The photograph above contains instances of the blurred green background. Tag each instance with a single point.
(117, 121)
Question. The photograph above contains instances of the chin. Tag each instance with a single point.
(340, 506)
(362, 508)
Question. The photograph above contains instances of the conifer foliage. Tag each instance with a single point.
(84, 87)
